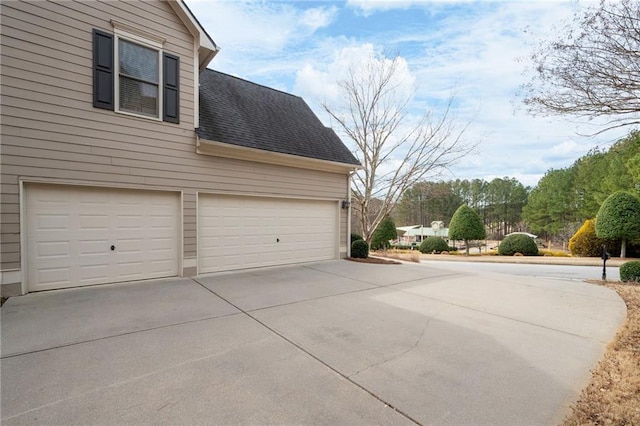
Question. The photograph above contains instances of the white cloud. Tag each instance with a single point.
(470, 49)
(257, 25)
(367, 7)
(316, 18)
(319, 80)
(477, 53)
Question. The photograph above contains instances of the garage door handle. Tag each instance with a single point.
(277, 240)
(113, 248)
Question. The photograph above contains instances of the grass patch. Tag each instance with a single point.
(406, 255)
(613, 396)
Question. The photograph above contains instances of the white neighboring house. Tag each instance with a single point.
(416, 233)
(523, 233)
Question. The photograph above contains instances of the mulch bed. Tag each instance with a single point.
(374, 260)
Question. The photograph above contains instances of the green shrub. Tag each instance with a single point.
(466, 225)
(360, 249)
(518, 243)
(431, 244)
(630, 271)
(355, 237)
(619, 218)
(400, 247)
(385, 232)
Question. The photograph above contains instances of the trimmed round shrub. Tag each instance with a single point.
(619, 217)
(355, 237)
(630, 271)
(360, 249)
(466, 225)
(431, 244)
(518, 243)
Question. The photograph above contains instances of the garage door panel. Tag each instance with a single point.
(92, 222)
(129, 222)
(244, 232)
(53, 277)
(130, 246)
(53, 221)
(92, 274)
(130, 270)
(91, 247)
(70, 231)
(55, 249)
(158, 222)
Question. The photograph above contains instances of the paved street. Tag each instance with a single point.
(326, 343)
(573, 272)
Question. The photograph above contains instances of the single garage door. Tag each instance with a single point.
(80, 236)
(236, 232)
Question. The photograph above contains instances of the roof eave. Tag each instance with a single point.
(204, 57)
(221, 149)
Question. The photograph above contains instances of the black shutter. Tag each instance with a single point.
(102, 70)
(170, 83)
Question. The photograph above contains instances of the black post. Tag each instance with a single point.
(604, 256)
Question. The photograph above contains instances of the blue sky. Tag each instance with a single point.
(475, 49)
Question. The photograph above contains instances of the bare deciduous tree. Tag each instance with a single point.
(593, 68)
(396, 148)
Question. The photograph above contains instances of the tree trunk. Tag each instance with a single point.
(623, 248)
(466, 243)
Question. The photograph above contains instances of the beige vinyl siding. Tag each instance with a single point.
(49, 126)
(51, 132)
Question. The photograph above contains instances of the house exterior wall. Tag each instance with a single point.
(50, 131)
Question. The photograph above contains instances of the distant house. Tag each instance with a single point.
(416, 233)
(523, 233)
(124, 158)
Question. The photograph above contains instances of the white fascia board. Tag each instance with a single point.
(220, 149)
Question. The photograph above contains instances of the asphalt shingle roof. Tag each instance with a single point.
(242, 113)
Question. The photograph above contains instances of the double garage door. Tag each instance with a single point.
(79, 236)
(237, 232)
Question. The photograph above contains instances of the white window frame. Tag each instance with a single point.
(151, 43)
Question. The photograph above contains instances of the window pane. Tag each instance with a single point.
(138, 61)
(138, 97)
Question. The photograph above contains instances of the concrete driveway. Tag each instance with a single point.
(325, 343)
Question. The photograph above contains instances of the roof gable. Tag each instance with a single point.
(207, 48)
(241, 113)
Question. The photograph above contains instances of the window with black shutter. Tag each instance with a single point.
(171, 68)
(134, 76)
(102, 70)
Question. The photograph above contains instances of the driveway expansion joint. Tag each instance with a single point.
(306, 352)
(311, 299)
(112, 336)
(374, 284)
